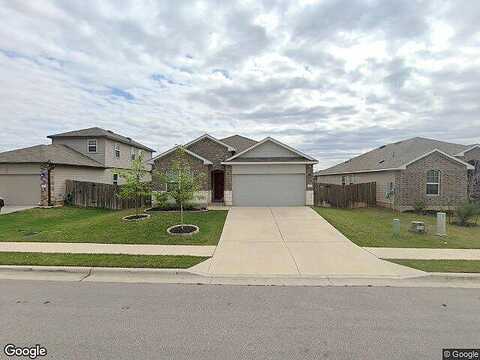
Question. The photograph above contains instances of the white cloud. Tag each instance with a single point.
(332, 77)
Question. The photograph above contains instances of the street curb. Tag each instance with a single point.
(184, 276)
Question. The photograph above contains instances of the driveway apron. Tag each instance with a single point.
(291, 241)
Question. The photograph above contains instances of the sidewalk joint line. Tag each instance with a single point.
(283, 240)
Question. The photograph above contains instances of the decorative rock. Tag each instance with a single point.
(418, 227)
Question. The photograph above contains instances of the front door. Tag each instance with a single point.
(218, 185)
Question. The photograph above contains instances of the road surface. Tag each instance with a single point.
(160, 321)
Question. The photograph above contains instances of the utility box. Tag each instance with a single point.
(418, 227)
(396, 227)
(441, 224)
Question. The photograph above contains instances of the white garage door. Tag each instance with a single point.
(20, 189)
(268, 189)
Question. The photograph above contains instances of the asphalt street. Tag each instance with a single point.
(161, 321)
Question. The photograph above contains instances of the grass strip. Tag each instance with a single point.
(458, 266)
(100, 260)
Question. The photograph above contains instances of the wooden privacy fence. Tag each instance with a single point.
(97, 195)
(348, 196)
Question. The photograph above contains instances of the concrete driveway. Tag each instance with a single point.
(15, 208)
(291, 241)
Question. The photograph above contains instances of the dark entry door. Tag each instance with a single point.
(218, 185)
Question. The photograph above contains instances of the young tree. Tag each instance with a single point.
(135, 185)
(180, 181)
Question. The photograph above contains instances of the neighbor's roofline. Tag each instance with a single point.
(270, 162)
(274, 141)
(469, 166)
(403, 167)
(467, 150)
(205, 161)
(208, 136)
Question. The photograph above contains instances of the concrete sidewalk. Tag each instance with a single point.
(424, 254)
(93, 248)
(11, 209)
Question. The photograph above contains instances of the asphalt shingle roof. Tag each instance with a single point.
(394, 155)
(99, 132)
(239, 142)
(56, 154)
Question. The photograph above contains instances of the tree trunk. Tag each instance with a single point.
(181, 213)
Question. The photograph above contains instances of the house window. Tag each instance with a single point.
(92, 146)
(433, 182)
(115, 179)
(344, 180)
(116, 150)
(133, 154)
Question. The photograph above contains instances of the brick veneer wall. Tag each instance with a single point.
(412, 183)
(164, 163)
(212, 151)
(228, 178)
(309, 177)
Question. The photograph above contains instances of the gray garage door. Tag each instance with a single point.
(20, 189)
(268, 190)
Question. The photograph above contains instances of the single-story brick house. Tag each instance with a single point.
(243, 172)
(37, 175)
(437, 173)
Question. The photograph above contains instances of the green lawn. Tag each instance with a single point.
(460, 266)
(69, 224)
(100, 260)
(373, 227)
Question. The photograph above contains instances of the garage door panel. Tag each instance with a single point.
(20, 189)
(268, 189)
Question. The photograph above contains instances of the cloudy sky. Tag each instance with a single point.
(333, 78)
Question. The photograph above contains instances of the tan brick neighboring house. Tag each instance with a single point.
(37, 175)
(243, 172)
(437, 173)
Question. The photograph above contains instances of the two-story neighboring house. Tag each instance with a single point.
(37, 174)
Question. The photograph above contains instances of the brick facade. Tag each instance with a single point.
(212, 151)
(164, 163)
(309, 177)
(411, 183)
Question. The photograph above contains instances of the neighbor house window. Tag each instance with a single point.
(133, 153)
(115, 179)
(433, 182)
(92, 146)
(344, 180)
(116, 150)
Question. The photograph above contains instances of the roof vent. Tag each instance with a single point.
(383, 146)
(129, 139)
(110, 131)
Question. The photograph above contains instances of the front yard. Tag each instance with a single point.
(372, 227)
(69, 224)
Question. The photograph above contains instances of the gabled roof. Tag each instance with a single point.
(53, 153)
(210, 137)
(239, 142)
(303, 156)
(394, 156)
(205, 161)
(470, 167)
(99, 132)
(472, 147)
